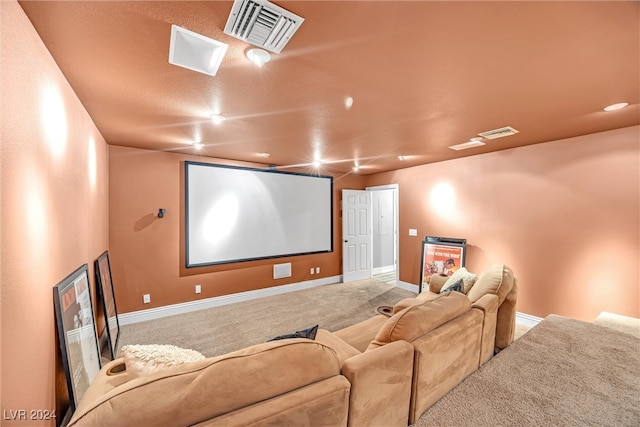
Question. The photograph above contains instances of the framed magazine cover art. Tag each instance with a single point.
(104, 285)
(441, 255)
(77, 333)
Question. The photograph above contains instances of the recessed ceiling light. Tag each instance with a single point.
(217, 118)
(316, 163)
(356, 167)
(198, 145)
(258, 56)
(474, 142)
(403, 158)
(264, 154)
(348, 102)
(614, 107)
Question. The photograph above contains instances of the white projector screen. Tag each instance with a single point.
(239, 214)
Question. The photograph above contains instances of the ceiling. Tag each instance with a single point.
(423, 75)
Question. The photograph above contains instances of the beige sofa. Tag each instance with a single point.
(452, 334)
(385, 371)
(288, 382)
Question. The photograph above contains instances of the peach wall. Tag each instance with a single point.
(147, 253)
(54, 181)
(563, 214)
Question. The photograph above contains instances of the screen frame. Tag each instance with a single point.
(188, 163)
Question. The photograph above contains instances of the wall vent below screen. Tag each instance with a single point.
(281, 270)
(499, 133)
(262, 24)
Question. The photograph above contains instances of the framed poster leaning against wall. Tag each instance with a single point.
(77, 333)
(441, 255)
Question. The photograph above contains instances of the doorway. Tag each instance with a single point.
(384, 233)
(370, 234)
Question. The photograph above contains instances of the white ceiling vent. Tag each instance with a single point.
(262, 24)
(499, 133)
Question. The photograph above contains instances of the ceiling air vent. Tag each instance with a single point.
(262, 24)
(498, 133)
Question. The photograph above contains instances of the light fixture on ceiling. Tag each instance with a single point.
(195, 51)
(473, 142)
(348, 102)
(198, 145)
(217, 118)
(264, 154)
(614, 107)
(356, 167)
(316, 163)
(258, 56)
(402, 158)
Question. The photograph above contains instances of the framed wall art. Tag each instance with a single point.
(441, 255)
(77, 333)
(104, 284)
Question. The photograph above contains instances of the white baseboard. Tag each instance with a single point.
(527, 319)
(187, 307)
(408, 286)
(382, 270)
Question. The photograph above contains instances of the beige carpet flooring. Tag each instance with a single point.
(628, 325)
(220, 330)
(562, 372)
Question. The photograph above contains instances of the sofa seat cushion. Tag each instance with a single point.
(361, 334)
(496, 280)
(198, 391)
(417, 320)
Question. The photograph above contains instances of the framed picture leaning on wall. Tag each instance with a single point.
(441, 255)
(104, 285)
(77, 333)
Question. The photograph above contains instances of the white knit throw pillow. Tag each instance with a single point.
(147, 359)
(468, 279)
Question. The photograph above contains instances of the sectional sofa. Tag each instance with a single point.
(385, 371)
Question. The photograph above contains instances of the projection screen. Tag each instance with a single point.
(239, 214)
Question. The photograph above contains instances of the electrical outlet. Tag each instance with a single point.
(198, 289)
(146, 298)
(317, 270)
(311, 270)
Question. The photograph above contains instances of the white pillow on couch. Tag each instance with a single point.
(146, 359)
(468, 279)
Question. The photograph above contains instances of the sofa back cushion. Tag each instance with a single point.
(410, 302)
(417, 320)
(496, 280)
(198, 391)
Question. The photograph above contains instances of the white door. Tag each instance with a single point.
(356, 235)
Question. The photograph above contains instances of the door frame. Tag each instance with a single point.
(396, 224)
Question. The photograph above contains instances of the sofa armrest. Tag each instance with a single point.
(343, 350)
(506, 327)
(380, 385)
(488, 304)
(436, 281)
